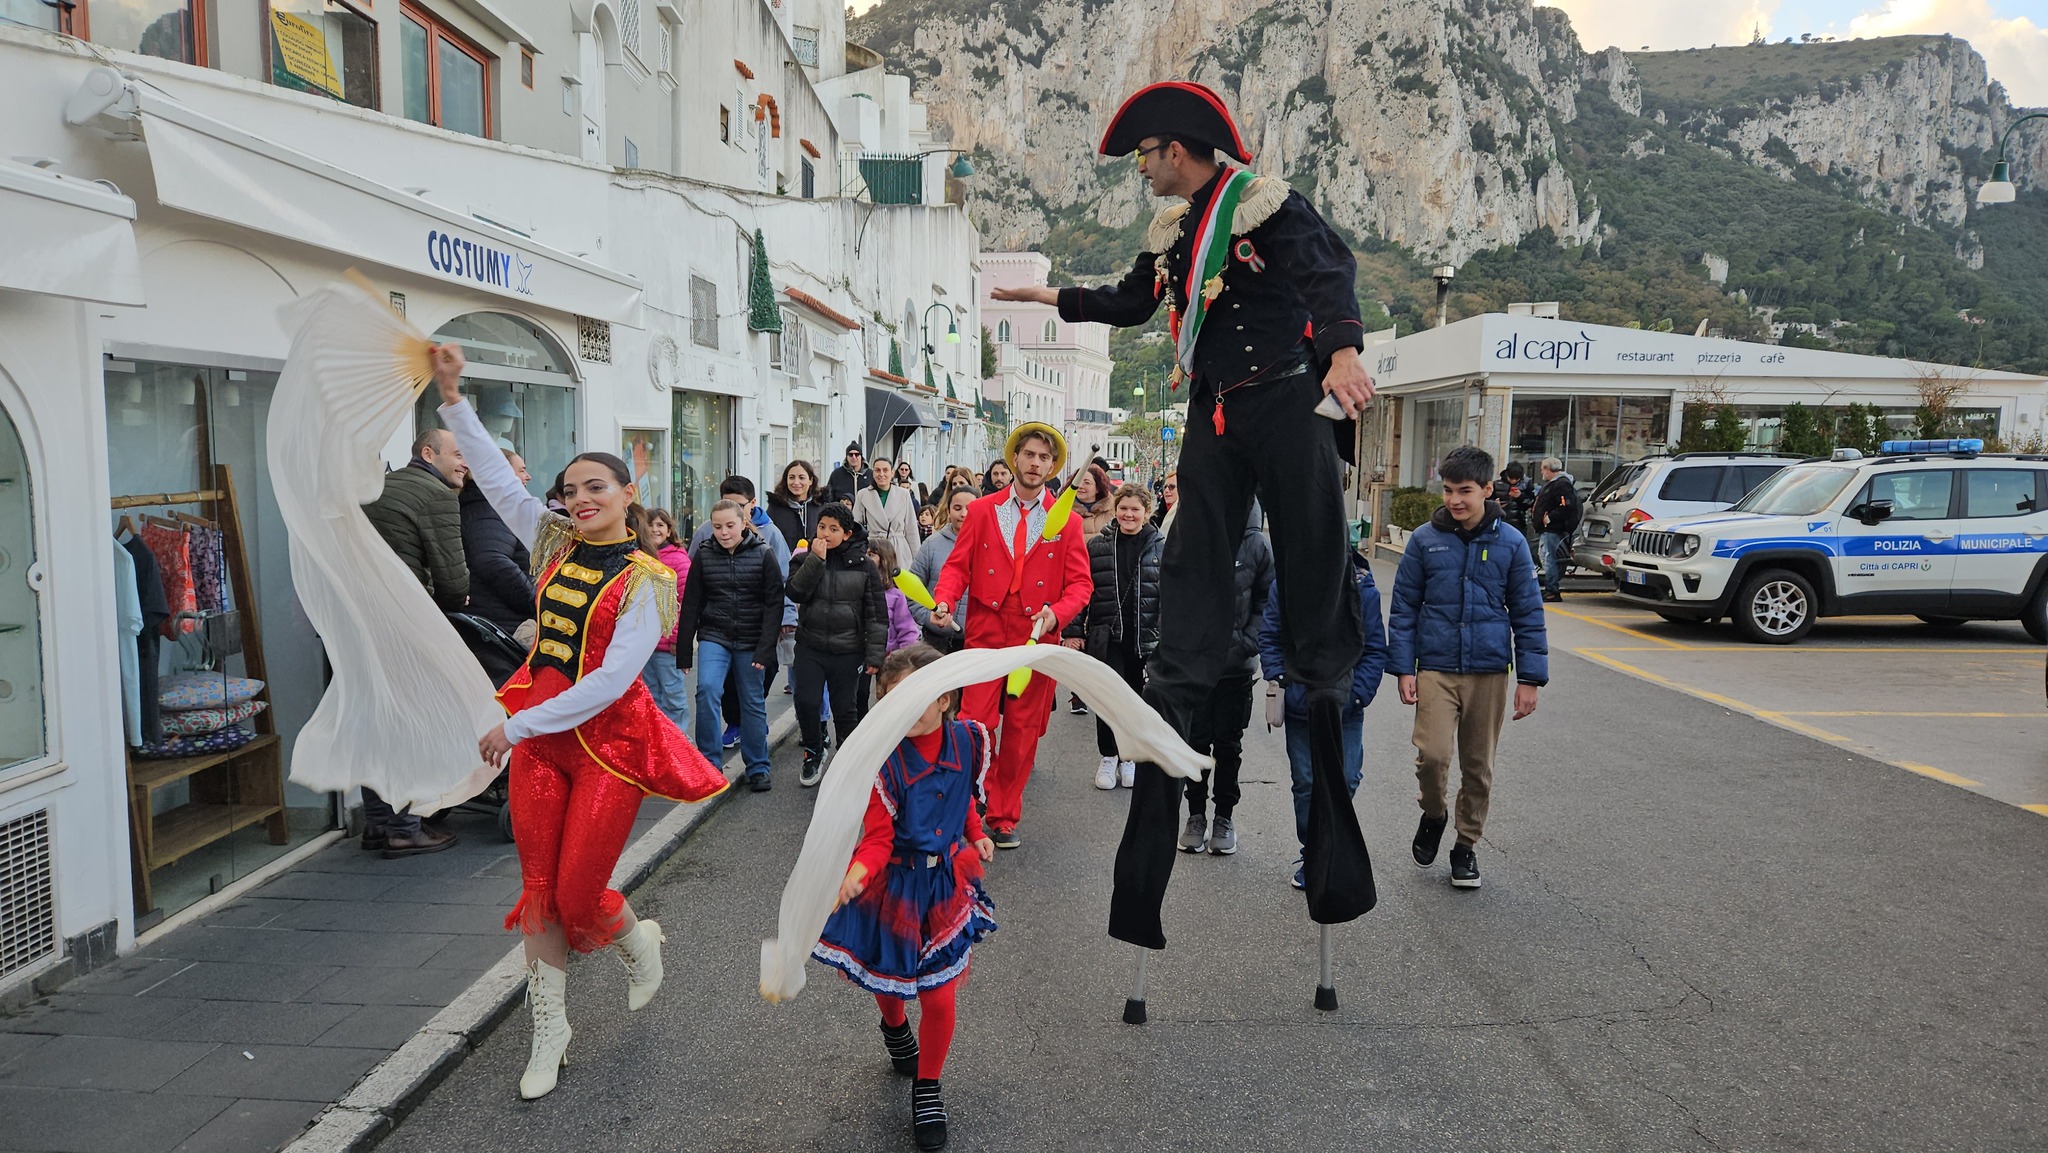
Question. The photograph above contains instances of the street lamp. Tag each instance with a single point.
(1999, 189)
(924, 329)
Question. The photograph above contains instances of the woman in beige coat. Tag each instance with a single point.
(888, 510)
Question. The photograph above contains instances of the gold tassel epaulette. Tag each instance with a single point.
(1165, 228)
(553, 537)
(649, 575)
(1259, 203)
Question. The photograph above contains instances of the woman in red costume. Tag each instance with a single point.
(585, 739)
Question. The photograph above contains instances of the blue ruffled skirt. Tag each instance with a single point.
(913, 928)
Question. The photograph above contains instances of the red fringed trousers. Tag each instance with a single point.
(570, 820)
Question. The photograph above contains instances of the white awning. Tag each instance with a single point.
(210, 168)
(61, 236)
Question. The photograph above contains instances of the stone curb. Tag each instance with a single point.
(373, 1108)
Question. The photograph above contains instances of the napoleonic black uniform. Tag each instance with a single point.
(1287, 306)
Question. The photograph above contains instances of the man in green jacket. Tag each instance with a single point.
(420, 516)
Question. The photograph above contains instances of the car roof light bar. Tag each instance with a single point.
(1960, 445)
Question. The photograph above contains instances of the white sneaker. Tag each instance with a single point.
(1127, 773)
(1105, 774)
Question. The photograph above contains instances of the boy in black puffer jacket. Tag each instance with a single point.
(842, 632)
(732, 609)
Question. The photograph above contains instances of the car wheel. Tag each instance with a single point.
(1942, 622)
(1776, 607)
(505, 821)
(2035, 619)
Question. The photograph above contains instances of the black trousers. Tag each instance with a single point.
(1273, 445)
(845, 675)
(1219, 732)
(1130, 665)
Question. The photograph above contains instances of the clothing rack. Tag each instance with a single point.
(231, 790)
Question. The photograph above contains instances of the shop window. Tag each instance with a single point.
(445, 77)
(166, 29)
(702, 442)
(521, 382)
(703, 312)
(326, 48)
(182, 429)
(22, 728)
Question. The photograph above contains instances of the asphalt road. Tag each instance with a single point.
(1713, 934)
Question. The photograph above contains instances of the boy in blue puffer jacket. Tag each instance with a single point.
(1467, 612)
(1365, 685)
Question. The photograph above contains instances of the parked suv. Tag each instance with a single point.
(1932, 529)
(1664, 486)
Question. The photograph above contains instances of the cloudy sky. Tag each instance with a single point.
(2011, 34)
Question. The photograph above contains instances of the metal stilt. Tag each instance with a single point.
(1134, 1006)
(1326, 988)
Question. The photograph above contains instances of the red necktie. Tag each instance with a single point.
(1017, 549)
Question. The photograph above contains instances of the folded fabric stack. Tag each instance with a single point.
(205, 713)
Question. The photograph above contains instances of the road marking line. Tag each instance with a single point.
(1617, 628)
(1893, 713)
(1785, 721)
(2041, 809)
(2015, 653)
(1941, 775)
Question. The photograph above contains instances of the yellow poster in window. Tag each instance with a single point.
(302, 54)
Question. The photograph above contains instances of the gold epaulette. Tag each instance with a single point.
(1165, 228)
(649, 574)
(552, 537)
(1259, 203)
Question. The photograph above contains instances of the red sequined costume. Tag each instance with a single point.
(576, 790)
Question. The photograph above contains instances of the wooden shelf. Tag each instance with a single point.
(156, 774)
(194, 826)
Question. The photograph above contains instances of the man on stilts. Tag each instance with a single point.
(1026, 584)
(1259, 297)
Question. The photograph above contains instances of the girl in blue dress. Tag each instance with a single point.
(912, 904)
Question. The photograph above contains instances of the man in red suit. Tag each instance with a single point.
(1016, 579)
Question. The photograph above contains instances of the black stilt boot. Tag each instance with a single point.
(902, 1044)
(927, 1115)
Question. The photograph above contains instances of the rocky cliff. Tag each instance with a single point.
(1437, 125)
(1430, 123)
(1903, 123)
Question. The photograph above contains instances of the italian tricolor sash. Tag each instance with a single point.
(1205, 265)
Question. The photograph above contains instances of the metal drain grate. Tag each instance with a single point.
(28, 921)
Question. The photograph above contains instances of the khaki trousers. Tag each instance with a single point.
(1461, 712)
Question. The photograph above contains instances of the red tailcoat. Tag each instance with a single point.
(983, 570)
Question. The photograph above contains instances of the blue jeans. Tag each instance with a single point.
(1556, 550)
(714, 661)
(670, 686)
(1298, 763)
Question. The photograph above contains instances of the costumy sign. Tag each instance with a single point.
(469, 260)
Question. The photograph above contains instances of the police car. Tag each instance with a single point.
(1933, 529)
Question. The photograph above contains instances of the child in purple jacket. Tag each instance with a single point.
(903, 630)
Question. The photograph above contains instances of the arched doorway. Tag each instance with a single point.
(523, 383)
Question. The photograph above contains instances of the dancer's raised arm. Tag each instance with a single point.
(519, 509)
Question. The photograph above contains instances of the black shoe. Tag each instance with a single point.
(1464, 867)
(1429, 836)
(374, 840)
(1553, 598)
(427, 840)
(813, 771)
(1005, 838)
(901, 1042)
(759, 782)
(1077, 708)
(927, 1115)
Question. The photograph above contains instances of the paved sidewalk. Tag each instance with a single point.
(236, 1032)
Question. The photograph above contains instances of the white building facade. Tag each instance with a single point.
(1526, 387)
(1078, 353)
(614, 212)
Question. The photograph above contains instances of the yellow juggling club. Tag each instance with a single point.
(908, 584)
(1056, 517)
(1014, 684)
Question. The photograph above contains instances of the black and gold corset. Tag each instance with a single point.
(568, 596)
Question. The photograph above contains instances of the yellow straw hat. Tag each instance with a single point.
(1059, 444)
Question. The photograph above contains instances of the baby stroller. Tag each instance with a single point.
(500, 655)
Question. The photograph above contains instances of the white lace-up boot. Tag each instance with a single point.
(544, 995)
(640, 949)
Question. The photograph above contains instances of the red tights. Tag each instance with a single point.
(570, 819)
(934, 1025)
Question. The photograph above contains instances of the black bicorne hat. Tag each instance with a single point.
(1174, 108)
